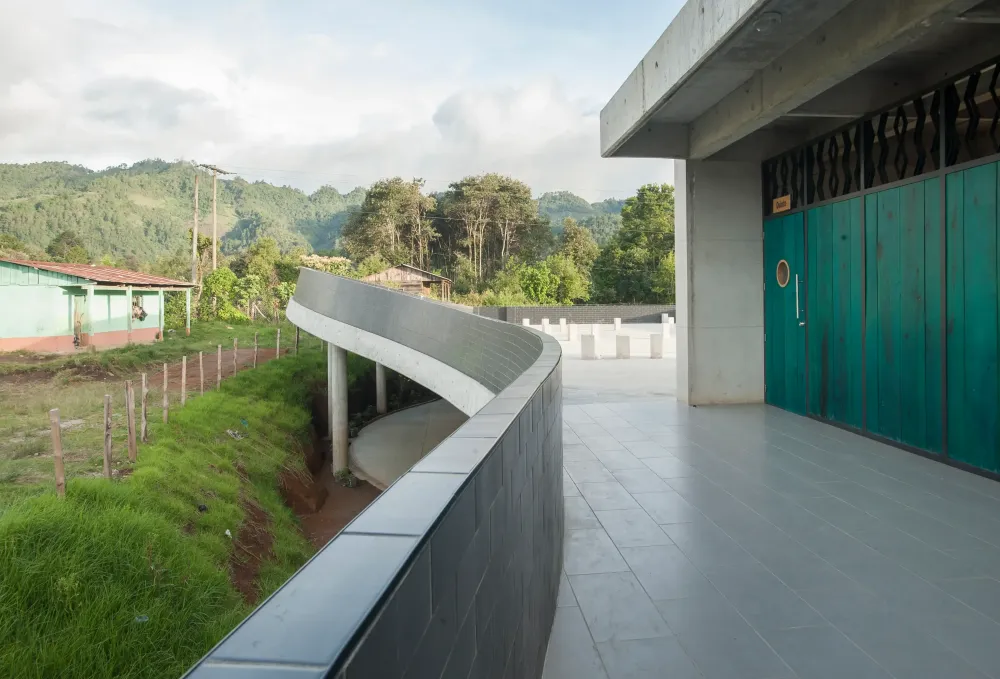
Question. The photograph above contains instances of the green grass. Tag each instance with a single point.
(126, 578)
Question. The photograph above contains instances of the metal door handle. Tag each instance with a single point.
(797, 300)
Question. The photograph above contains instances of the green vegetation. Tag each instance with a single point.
(485, 232)
(128, 578)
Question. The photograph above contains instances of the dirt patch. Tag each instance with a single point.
(251, 547)
(22, 378)
(302, 493)
(341, 506)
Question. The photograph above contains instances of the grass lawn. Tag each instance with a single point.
(132, 577)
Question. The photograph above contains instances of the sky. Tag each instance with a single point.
(315, 92)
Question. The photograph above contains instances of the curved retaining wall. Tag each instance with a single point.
(454, 570)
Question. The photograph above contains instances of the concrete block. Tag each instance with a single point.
(545, 325)
(622, 346)
(664, 318)
(618, 324)
(595, 329)
(574, 332)
(588, 347)
(525, 321)
(562, 323)
(656, 346)
(672, 330)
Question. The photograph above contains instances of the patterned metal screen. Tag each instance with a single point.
(896, 144)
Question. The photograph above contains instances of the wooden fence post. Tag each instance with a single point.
(57, 455)
(144, 422)
(201, 371)
(133, 450)
(166, 397)
(218, 369)
(184, 380)
(277, 345)
(235, 349)
(107, 436)
(296, 340)
(255, 350)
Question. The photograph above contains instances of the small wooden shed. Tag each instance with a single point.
(56, 307)
(414, 281)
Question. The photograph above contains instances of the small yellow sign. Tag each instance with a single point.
(782, 204)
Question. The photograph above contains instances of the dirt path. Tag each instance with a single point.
(341, 506)
(244, 361)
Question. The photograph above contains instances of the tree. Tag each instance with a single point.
(629, 268)
(603, 227)
(68, 247)
(393, 224)
(567, 281)
(578, 245)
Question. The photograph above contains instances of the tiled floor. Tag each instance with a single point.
(748, 543)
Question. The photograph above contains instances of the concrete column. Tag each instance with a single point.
(656, 346)
(545, 326)
(618, 324)
(128, 312)
(574, 332)
(525, 321)
(562, 325)
(622, 346)
(595, 329)
(336, 379)
(381, 404)
(89, 325)
(588, 347)
(720, 299)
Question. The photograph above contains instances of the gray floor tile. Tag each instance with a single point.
(706, 544)
(579, 514)
(733, 654)
(667, 507)
(632, 528)
(626, 434)
(569, 488)
(641, 481)
(578, 453)
(603, 496)
(665, 573)
(566, 596)
(661, 658)
(644, 449)
(618, 460)
(617, 608)
(601, 443)
(982, 594)
(669, 467)
(763, 600)
(591, 551)
(700, 613)
(571, 653)
(823, 653)
(588, 472)
(674, 437)
(588, 430)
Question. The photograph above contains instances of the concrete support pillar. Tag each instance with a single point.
(525, 321)
(545, 326)
(88, 326)
(336, 374)
(618, 324)
(128, 313)
(622, 346)
(187, 311)
(562, 326)
(656, 346)
(595, 329)
(588, 347)
(720, 299)
(381, 403)
(574, 332)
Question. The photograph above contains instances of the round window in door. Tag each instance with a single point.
(782, 274)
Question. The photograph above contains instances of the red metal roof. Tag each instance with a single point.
(103, 274)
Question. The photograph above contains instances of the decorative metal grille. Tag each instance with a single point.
(833, 166)
(898, 142)
(782, 176)
(972, 116)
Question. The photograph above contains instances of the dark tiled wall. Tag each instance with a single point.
(584, 313)
(453, 572)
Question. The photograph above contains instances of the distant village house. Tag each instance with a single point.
(414, 281)
(53, 307)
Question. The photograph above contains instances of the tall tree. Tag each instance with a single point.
(393, 223)
(68, 247)
(578, 244)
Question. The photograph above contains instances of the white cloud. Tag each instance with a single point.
(102, 83)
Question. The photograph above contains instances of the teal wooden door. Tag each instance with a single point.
(784, 313)
(903, 347)
(834, 248)
(972, 213)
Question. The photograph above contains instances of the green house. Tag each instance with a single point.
(53, 307)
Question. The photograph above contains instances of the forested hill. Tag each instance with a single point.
(143, 212)
(136, 215)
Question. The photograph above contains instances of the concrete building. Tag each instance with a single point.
(414, 281)
(52, 307)
(836, 167)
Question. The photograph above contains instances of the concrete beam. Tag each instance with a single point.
(656, 140)
(864, 33)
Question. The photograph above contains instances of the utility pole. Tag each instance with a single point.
(215, 213)
(194, 234)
